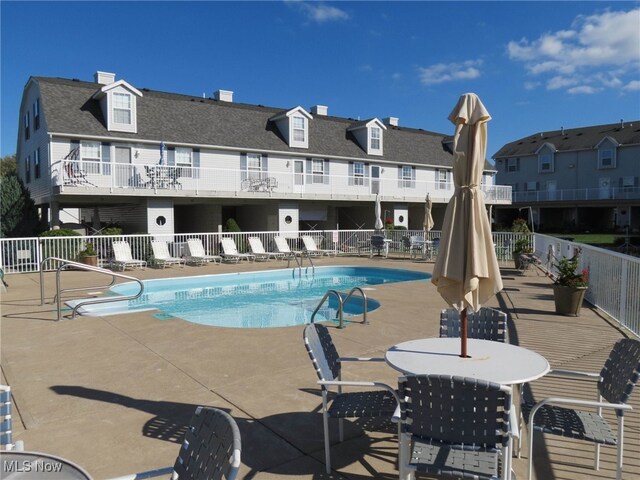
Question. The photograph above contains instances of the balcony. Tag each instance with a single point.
(578, 195)
(74, 177)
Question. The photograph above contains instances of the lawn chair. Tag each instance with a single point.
(313, 250)
(6, 421)
(161, 256)
(123, 257)
(455, 426)
(328, 365)
(615, 384)
(378, 245)
(255, 244)
(211, 449)
(283, 247)
(231, 251)
(197, 255)
(485, 324)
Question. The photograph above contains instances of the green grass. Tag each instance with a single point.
(590, 238)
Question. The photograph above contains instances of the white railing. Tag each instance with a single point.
(75, 176)
(614, 278)
(578, 194)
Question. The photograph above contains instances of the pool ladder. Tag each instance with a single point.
(341, 303)
(65, 265)
(304, 254)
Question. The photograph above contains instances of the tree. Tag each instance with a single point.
(18, 213)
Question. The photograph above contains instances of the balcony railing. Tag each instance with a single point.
(578, 194)
(170, 180)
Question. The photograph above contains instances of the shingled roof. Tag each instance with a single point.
(582, 138)
(182, 119)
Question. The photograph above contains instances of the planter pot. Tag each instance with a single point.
(568, 299)
(91, 260)
(516, 260)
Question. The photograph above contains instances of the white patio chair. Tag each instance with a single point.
(231, 251)
(161, 256)
(6, 421)
(123, 258)
(283, 247)
(211, 449)
(455, 426)
(312, 249)
(615, 385)
(485, 324)
(328, 364)
(197, 255)
(257, 248)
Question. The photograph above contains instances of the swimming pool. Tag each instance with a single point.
(274, 298)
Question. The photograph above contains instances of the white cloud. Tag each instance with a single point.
(319, 12)
(600, 49)
(396, 76)
(441, 72)
(632, 86)
(531, 85)
(586, 89)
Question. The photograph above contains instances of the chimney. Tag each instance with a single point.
(321, 110)
(105, 78)
(391, 121)
(223, 95)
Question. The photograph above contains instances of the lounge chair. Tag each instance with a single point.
(231, 251)
(123, 257)
(312, 249)
(197, 255)
(283, 247)
(161, 256)
(211, 449)
(6, 422)
(485, 324)
(381, 402)
(379, 245)
(257, 248)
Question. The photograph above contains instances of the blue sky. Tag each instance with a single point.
(536, 65)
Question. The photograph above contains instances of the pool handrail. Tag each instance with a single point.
(303, 254)
(326, 295)
(364, 302)
(65, 264)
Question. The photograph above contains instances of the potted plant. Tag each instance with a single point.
(569, 286)
(88, 256)
(520, 246)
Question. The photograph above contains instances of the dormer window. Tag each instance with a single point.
(368, 134)
(376, 139)
(299, 129)
(546, 158)
(118, 102)
(294, 126)
(545, 163)
(606, 158)
(607, 152)
(121, 108)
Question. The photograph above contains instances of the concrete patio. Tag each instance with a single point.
(114, 394)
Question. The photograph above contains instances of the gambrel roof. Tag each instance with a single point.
(178, 119)
(583, 138)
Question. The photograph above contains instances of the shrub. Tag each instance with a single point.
(568, 273)
(89, 251)
(231, 226)
(111, 231)
(519, 225)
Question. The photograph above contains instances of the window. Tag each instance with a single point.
(27, 169)
(27, 133)
(441, 179)
(605, 158)
(546, 163)
(358, 173)
(90, 156)
(36, 114)
(531, 186)
(628, 183)
(254, 165)
(121, 108)
(376, 139)
(183, 159)
(513, 164)
(317, 170)
(298, 129)
(36, 163)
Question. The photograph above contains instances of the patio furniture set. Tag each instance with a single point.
(456, 416)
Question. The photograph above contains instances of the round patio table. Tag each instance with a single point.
(493, 361)
(17, 465)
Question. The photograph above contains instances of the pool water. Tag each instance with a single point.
(253, 299)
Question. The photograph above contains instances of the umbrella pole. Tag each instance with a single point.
(463, 333)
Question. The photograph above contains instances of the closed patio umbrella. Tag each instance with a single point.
(428, 219)
(466, 271)
(162, 147)
(379, 225)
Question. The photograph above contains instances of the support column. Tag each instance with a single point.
(54, 218)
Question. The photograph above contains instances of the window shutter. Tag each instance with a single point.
(265, 166)
(351, 179)
(196, 163)
(171, 155)
(106, 158)
(413, 177)
(399, 176)
(243, 167)
(367, 170)
(309, 171)
(326, 172)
